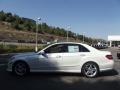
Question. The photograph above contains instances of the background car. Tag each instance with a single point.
(63, 57)
(102, 46)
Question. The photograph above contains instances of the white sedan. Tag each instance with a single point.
(63, 57)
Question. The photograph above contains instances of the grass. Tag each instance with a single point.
(17, 48)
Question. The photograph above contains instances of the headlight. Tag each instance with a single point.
(10, 61)
(12, 58)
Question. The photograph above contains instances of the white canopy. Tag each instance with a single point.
(114, 38)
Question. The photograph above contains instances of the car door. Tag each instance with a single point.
(52, 57)
(73, 56)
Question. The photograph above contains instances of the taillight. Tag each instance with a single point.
(109, 57)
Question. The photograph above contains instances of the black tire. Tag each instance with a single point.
(90, 69)
(20, 68)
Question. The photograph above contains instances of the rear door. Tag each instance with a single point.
(75, 52)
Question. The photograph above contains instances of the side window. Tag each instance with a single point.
(58, 48)
(83, 49)
(72, 48)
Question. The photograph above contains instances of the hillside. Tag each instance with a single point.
(14, 28)
(9, 34)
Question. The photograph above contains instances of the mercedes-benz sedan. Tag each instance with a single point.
(63, 57)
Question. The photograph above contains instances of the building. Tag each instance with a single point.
(114, 40)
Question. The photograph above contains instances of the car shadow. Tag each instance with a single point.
(60, 74)
(53, 74)
(59, 81)
(109, 73)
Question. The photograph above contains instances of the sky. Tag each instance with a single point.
(93, 18)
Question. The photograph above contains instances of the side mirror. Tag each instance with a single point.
(42, 52)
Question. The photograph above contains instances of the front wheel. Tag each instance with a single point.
(20, 68)
(90, 70)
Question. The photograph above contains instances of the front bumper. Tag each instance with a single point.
(9, 66)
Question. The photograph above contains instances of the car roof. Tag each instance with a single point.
(85, 45)
(67, 43)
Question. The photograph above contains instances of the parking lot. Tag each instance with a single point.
(61, 81)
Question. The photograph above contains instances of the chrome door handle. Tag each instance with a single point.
(82, 55)
(58, 56)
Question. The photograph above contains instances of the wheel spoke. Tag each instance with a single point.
(87, 73)
(20, 69)
(94, 69)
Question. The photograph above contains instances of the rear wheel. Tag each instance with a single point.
(20, 68)
(90, 70)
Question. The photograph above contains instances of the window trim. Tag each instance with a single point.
(66, 45)
(53, 46)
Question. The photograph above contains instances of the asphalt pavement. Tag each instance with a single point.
(61, 81)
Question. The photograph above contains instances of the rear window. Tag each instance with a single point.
(72, 48)
(83, 49)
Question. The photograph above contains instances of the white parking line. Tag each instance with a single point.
(2, 64)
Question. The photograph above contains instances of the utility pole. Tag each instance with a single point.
(83, 38)
(68, 28)
(37, 23)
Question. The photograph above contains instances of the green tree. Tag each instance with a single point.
(15, 26)
(2, 16)
(27, 26)
(9, 17)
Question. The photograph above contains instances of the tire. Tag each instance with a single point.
(90, 69)
(20, 68)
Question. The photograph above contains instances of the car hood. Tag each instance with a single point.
(25, 54)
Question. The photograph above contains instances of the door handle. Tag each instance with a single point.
(58, 56)
(82, 55)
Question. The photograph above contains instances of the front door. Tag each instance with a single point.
(53, 57)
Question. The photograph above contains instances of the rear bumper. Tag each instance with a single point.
(107, 66)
